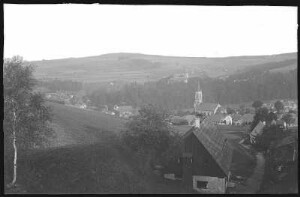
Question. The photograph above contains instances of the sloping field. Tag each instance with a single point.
(86, 157)
(140, 67)
(78, 126)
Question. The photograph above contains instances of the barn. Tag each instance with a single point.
(206, 159)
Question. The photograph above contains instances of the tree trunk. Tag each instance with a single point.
(15, 152)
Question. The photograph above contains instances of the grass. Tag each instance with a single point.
(139, 67)
(87, 158)
(287, 185)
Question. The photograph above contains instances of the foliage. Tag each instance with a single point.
(230, 110)
(260, 115)
(32, 115)
(270, 134)
(148, 136)
(61, 85)
(278, 106)
(257, 104)
(178, 95)
(288, 118)
(271, 116)
(26, 117)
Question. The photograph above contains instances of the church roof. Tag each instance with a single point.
(206, 106)
(215, 143)
(215, 118)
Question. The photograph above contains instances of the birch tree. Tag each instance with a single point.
(25, 116)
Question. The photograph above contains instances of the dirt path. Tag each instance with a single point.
(253, 183)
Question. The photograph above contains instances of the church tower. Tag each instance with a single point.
(198, 97)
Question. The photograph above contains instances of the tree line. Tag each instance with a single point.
(61, 85)
(235, 89)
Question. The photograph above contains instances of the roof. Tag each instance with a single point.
(236, 117)
(258, 129)
(247, 117)
(189, 117)
(206, 106)
(215, 118)
(215, 143)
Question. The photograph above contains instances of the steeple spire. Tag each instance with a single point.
(199, 86)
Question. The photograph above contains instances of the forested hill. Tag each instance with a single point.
(140, 67)
(245, 87)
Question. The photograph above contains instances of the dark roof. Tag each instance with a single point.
(206, 106)
(236, 117)
(215, 118)
(258, 129)
(247, 117)
(215, 143)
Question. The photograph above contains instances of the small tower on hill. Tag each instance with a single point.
(198, 97)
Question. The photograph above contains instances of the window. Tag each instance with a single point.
(202, 184)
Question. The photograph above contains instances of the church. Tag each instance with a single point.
(204, 108)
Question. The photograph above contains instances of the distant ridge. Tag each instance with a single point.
(142, 67)
(166, 56)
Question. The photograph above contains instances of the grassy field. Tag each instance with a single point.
(140, 67)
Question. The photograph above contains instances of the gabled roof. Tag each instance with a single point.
(206, 106)
(214, 118)
(215, 143)
(258, 129)
(247, 117)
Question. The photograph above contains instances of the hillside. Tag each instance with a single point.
(140, 67)
(86, 157)
(78, 126)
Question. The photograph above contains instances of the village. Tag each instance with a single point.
(208, 129)
(150, 99)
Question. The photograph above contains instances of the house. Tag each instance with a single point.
(295, 121)
(82, 106)
(183, 77)
(126, 111)
(257, 131)
(220, 119)
(236, 119)
(206, 159)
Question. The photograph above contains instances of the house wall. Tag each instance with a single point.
(202, 162)
(214, 185)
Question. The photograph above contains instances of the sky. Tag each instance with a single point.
(39, 32)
